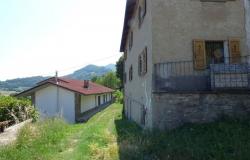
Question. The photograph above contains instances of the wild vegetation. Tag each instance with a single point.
(109, 136)
(16, 110)
(109, 80)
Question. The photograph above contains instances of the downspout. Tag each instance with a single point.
(247, 24)
(57, 96)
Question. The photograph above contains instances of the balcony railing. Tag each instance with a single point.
(229, 74)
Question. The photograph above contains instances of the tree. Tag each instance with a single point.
(120, 69)
(109, 80)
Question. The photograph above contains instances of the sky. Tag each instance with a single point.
(38, 37)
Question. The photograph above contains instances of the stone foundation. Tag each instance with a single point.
(172, 110)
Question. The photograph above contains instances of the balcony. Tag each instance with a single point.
(231, 74)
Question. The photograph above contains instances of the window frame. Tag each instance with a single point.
(131, 37)
(131, 73)
(143, 62)
(142, 11)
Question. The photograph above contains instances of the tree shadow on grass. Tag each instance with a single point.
(134, 143)
(227, 139)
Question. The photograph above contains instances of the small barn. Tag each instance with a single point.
(73, 100)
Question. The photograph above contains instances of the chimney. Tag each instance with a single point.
(86, 84)
(56, 77)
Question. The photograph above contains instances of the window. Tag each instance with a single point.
(131, 73)
(124, 77)
(125, 54)
(215, 52)
(142, 12)
(142, 62)
(130, 40)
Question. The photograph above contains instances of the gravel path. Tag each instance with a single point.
(10, 134)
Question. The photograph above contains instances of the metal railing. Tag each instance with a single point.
(227, 73)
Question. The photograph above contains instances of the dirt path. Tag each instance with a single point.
(10, 134)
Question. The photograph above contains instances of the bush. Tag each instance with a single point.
(118, 96)
(16, 110)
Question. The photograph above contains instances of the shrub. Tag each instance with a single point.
(16, 110)
(118, 96)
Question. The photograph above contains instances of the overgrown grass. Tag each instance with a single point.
(229, 140)
(108, 136)
(40, 140)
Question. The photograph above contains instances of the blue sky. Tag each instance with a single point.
(38, 37)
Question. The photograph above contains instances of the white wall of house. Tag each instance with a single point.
(87, 103)
(52, 101)
(91, 101)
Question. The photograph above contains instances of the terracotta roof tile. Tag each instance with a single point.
(78, 86)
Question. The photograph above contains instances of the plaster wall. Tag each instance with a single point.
(175, 24)
(140, 88)
(53, 101)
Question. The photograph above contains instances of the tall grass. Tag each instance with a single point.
(224, 140)
(37, 141)
(108, 136)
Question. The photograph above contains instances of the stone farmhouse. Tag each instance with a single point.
(186, 61)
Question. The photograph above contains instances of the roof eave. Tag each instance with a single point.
(128, 14)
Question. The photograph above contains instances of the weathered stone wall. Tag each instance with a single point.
(173, 110)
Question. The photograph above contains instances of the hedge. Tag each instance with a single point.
(16, 110)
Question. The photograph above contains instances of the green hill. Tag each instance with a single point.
(87, 72)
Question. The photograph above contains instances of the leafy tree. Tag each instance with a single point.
(109, 80)
(120, 69)
(94, 78)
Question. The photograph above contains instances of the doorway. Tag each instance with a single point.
(99, 100)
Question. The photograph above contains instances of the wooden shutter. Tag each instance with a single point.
(125, 54)
(234, 48)
(145, 61)
(199, 54)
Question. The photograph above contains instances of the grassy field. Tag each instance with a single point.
(108, 136)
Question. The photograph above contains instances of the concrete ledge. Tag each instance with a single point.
(88, 114)
(10, 134)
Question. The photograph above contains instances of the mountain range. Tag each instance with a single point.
(85, 73)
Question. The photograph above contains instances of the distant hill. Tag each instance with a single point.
(111, 66)
(20, 84)
(89, 71)
(86, 72)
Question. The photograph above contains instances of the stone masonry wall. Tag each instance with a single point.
(173, 110)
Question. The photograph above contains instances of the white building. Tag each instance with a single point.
(73, 100)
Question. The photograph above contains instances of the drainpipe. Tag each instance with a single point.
(247, 25)
(57, 96)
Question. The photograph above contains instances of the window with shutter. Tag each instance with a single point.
(131, 73)
(125, 54)
(142, 62)
(142, 12)
(199, 54)
(140, 65)
(124, 77)
(234, 48)
(131, 40)
(145, 61)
